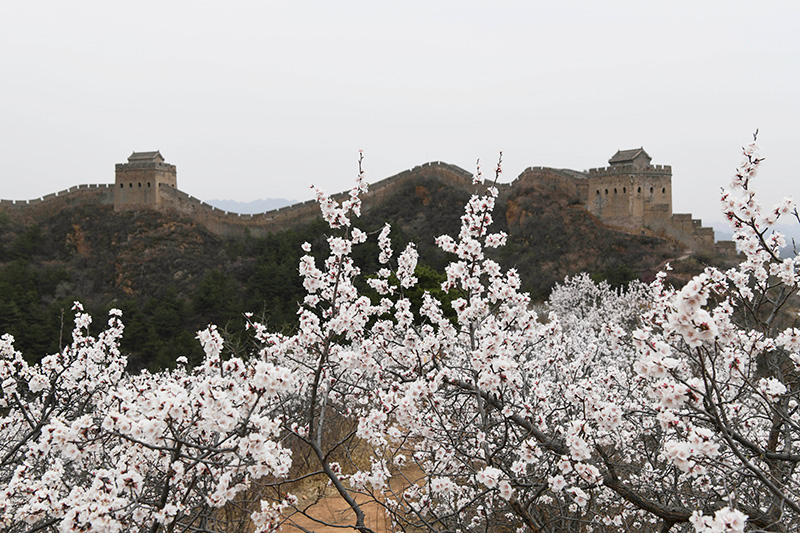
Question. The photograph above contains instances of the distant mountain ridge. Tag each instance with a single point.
(262, 205)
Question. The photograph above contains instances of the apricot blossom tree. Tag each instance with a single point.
(650, 408)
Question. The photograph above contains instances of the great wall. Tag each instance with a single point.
(629, 195)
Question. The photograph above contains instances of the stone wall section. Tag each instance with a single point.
(551, 179)
(452, 175)
(229, 224)
(685, 229)
(102, 194)
(634, 200)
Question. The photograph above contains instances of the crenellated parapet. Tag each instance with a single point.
(89, 194)
(140, 165)
(235, 224)
(613, 170)
(630, 194)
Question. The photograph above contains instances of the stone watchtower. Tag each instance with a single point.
(629, 193)
(137, 181)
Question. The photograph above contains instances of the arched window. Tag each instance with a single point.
(663, 190)
(140, 185)
(638, 189)
(121, 185)
(615, 190)
(598, 192)
(130, 185)
(624, 190)
(606, 192)
(148, 184)
(651, 190)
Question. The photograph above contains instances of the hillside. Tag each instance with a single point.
(169, 274)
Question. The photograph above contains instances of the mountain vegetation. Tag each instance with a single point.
(172, 277)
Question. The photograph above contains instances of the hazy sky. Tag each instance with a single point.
(260, 99)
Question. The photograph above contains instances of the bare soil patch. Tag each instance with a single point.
(333, 510)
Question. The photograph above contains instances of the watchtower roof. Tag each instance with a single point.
(627, 156)
(146, 157)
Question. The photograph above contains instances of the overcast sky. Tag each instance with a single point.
(260, 99)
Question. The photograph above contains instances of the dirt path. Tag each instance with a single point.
(686, 253)
(332, 509)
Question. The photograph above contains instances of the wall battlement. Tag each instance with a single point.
(236, 225)
(66, 192)
(166, 167)
(91, 194)
(629, 195)
(568, 174)
(632, 195)
(627, 169)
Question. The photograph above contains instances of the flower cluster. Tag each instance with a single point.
(114, 452)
